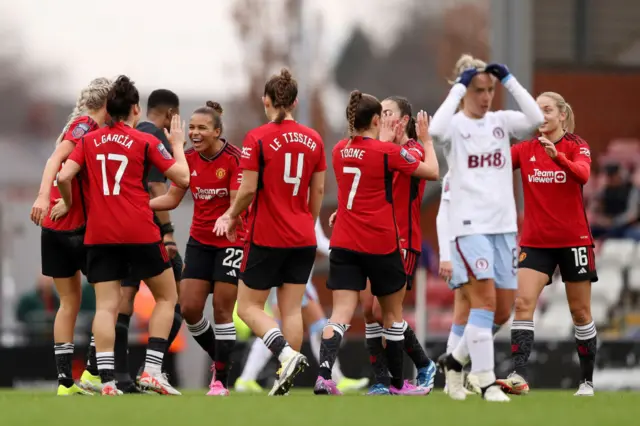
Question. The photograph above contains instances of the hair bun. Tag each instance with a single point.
(285, 74)
(215, 106)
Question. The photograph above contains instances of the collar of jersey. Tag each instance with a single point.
(217, 154)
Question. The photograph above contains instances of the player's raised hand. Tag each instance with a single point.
(500, 71)
(446, 270)
(549, 147)
(59, 210)
(388, 127)
(176, 134)
(39, 210)
(422, 126)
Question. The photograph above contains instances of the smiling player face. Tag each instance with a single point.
(202, 133)
(553, 118)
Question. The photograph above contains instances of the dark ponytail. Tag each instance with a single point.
(213, 110)
(361, 110)
(282, 89)
(121, 98)
(405, 109)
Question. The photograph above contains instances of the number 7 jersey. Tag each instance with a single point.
(286, 156)
(116, 160)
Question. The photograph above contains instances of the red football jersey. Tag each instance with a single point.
(554, 214)
(212, 180)
(364, 168)
(407, 201)
(75, 218)
(286, 155)
(116, 160)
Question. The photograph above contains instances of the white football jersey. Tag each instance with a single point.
(479, 153)
(443, 227)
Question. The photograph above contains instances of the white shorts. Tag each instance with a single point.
(493, 256)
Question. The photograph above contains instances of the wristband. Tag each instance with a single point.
(166, 228)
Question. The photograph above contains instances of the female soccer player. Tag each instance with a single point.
(314, 320)
(555, 233)
(483, 211)
(121, 238)
(62, 251)
(407, 196)
(365, 243)
(283, 165)
(212, 262)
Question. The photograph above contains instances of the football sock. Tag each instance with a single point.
(479, 339)
(156, 349)
(64, 354)
(377, 356)
(259, 356)
(121, 349)
(461, 351)
(413, 348)
(455, 335)
(274, 340)
(394, 337)
(92, 363)
(225, 342)
(329, 349)
(105, 366)
(587, 347)
(522, 337)
(177, 324)
(203, 333)
(315, 341)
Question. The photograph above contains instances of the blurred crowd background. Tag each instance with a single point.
(587, 50)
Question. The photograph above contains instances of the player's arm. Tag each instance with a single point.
(430, 157)
(521, 124)
(579, 168)
(245, 193)
(41, 205)
(168, 201)
(440, 126)
(316, 193)
(68, 172)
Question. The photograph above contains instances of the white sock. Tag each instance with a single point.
(315, 340)
(461, 351)
(479, 337)
(455, 335)
(259, 356)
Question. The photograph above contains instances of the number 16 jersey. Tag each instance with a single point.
(117, 160)
(285, 155)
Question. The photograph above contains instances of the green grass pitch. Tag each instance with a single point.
(302, 408)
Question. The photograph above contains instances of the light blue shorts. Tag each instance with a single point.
(492, 256)
(310, 294)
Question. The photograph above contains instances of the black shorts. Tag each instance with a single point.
(209, 263)
(267, 267)
(349, 270)
(176, 265)
(410, 258)
(126, 261)
(62, 252)
(575, 263)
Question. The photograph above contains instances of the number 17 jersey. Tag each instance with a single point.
(286, 156)
(117, 160)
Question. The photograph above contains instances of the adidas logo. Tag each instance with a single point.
(582, 271)
(194, 173)
(325, 364)
(232, 273)
(533, 158)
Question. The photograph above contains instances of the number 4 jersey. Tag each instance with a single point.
(286, 155)
(116, 160)
(364, 169)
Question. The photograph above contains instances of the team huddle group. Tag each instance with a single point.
(104, 211)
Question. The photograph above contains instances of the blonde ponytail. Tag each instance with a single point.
(466, 62)
(91, 98)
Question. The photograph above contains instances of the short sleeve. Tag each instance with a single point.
(321, 166)
(250, 157)
(236, 175)
(401, 160)
(159, 156)
(77, 155)
(76, 131)
(582, 152)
